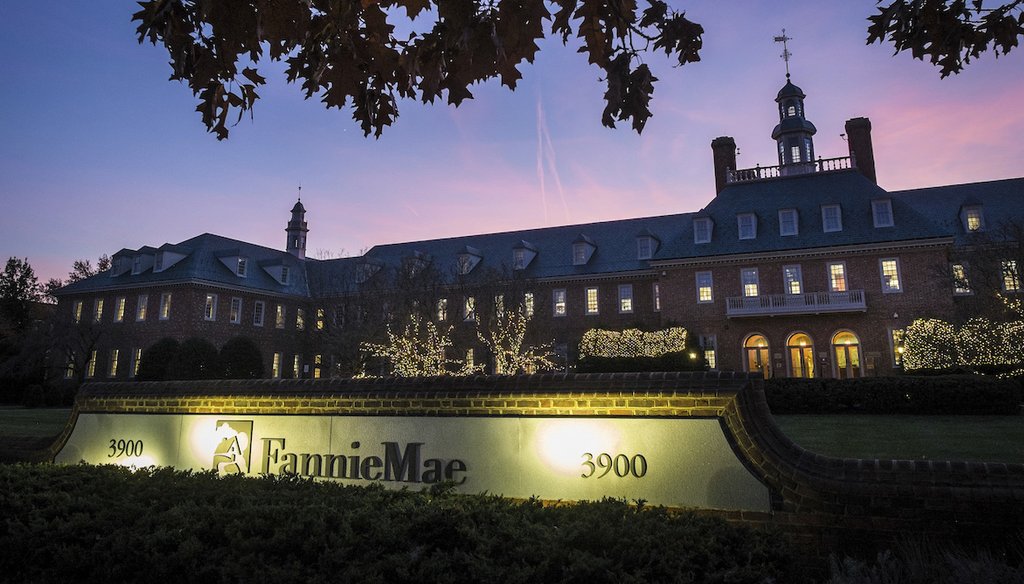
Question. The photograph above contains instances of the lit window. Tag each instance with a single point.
(890, 275)
(881, 212)
(499, 305)
(119, 308)
(470, 359)
(442, 310)
(794, 153)
(747, 225)
(279, 317)
(241, 268)
(1011, 277)
(469, 309)
(837, 277)
(211, 307)
(114, 354)
(275, 368)
(236, 311)
(749, 281)
(656, 289)
(300, 319)
(69, 369)
(591, 300)
(284, 275)
(140, 308)
(90, 367)
(973, 219)
(793, 279)
(165, 306)
(705, 287)
(528, 304)
(97, 310)
(896, 339)
(296, 364)
(319, 319)
(318, 361)
(625, 298)
(702, 230)
(788, 222)
(831, 218)
(558, 302)
(136, 361)
(644, 248)
(709, 344)
(960, 283)
(77, 310)
(257, 313)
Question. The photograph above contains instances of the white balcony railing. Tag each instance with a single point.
(807, 303)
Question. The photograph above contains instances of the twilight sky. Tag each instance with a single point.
(100, 152)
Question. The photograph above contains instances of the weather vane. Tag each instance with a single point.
(785, 49)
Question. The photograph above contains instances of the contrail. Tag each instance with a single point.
(540, 159)
(550, 152)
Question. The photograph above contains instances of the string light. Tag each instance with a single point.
(936, 344)
(505, 342)
(632, 343)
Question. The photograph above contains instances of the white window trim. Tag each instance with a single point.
(756, 282)
(899, 276)
(839, 218)
(210, 308)
(753, 225)
(259, 307)
(119, 307)
(711, 287)
(1005, 266)
(642, 243)
(242, 267)
(957, 290)
(142, 308)
(235, 318)
(586, 301)
(709, 225)
(555, 294)
(280, 316)
(828, 277)
(981, 218)
(799, 279)
(796, 222)
(165, 306)
(625, 288)
(875, 215)
(656, 293)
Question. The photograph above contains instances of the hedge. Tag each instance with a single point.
(108, 524)
(961, 394)
(676, 361)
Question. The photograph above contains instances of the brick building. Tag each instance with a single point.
(804, 268)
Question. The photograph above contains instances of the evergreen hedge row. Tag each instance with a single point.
(674, 361)
(108, 524)
(961, 394)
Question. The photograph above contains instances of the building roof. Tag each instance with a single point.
(919, 214)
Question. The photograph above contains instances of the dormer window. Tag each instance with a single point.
(747, 225)
(788, 222)
(241, 267)
(881, 212)
(644, 247)
(285, 272)
(582, 250)
(702, 228)
(831, 218)
(137, 265)
(522, 254)
(973, 218)
(158, 264)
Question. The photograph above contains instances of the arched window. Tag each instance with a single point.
(846, 352)
(755, 350)
(800, 349)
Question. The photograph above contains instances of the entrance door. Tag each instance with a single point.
(801, 355)
(756, 350)
(846, 348)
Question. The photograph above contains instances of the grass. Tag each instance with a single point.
(979, 438)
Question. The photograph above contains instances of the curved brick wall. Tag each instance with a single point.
(823, 504)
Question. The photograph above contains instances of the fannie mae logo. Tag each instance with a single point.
(233, 452)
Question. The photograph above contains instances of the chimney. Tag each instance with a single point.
(858, 136)
(724, 150)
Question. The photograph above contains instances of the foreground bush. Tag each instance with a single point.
(961, 394)
(107, 524)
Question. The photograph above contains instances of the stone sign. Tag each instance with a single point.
(677, 462)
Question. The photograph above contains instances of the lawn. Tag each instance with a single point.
(982, 438)
(979, 438)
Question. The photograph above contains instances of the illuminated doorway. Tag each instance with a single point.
(846, 348)
(756, 351)
(801, 355)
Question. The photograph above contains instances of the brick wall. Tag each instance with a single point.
(822, 504)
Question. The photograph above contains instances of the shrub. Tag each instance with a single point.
(109, 524)
(675, 361)
(197, 358)
(961, 394)
(240, 358)
(156, 359)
